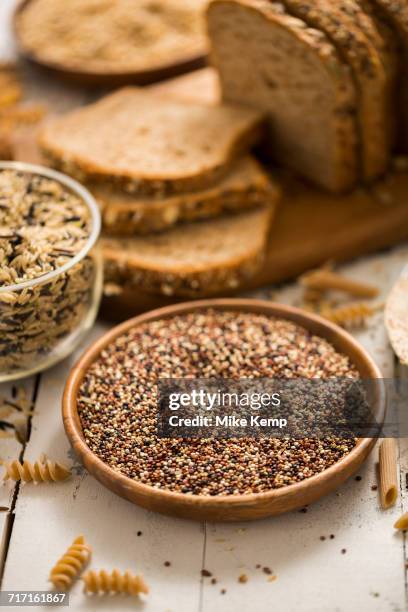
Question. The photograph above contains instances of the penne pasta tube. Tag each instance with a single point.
(402, 522)
(388, 473)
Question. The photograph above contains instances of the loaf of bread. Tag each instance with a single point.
(274, 62)
(191, 259)
(395, 12)
(355, 35)
(145, 143)
(245, 186)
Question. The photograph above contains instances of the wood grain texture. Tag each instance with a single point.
(231, 507)
(288, 544)
(10, 449)
(310, 226)
(120, 534)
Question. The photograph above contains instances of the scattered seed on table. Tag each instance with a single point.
(243, 578)
(213, 581)
(272, 578)
(374, 487)
(258, 566)
(267, 570)
(343, 551)
(167, 563)
(332, 536)
(206, 573)
(223, 591)
(358, 478)
(117, 402)
(139, 533)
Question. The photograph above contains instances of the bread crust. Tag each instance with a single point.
(102, 142)
(128, 269)
(345, 164)
(246, 186)
(396, 13)
(359, 44)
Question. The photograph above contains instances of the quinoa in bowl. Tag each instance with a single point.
(117, 402)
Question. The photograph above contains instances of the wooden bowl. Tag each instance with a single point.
(192, 60)
(226, 507)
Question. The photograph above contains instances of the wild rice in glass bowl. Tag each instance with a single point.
(50, 267)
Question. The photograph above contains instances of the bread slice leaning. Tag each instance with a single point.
(396, 13)
(375, 25)
(194, 259)
(274, 62)
(149, 144)
(245, 186)
(355, 36)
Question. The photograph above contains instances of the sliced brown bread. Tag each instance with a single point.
(358, 42)
(245, 186)
(192, 259)
(150, 144)
(396, 14)
(272, 61)
(381, 33)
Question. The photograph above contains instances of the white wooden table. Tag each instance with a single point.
(312, 575)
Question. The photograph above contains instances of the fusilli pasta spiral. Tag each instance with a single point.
(71, 564)
(115, 582)
(351, 315)
(43, 470)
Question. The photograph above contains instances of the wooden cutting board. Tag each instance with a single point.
(310, 227)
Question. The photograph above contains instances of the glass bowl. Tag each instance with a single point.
(44, 319)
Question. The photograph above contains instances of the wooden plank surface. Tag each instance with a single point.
(11, 448)
(55, 515)
(311, 574)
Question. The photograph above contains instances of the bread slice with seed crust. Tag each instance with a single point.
(358, 42)
(193, 259)
(149, 144)
(396, 13)
(379, 32)
(274, 62)
(245, 186)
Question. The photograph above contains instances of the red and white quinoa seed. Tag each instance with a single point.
(117, 402)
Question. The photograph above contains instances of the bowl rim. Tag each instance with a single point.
(74, 432)
(78, 190)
